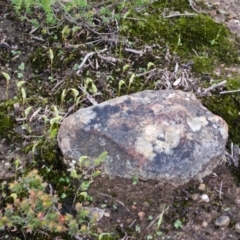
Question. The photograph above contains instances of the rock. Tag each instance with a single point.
(204, 198)
(222, 221)
(234, 26)
(237, 227)
(202, 187)
(205, 224)
(165, 135)
(141, 215)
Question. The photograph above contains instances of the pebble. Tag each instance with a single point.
(141, 215)
(222, 221)
(237, 227)
(204, 224)
(205, 198)
(195, 197)
(146, 205)
(202, 187)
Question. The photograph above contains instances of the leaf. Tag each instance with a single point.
(74, 174)
(63, 95)
(51, 54)
(85, 185)
(23, 92)
(75, 92)
(131, 79)
(101, 236)
(84, 195)
(125, 67)
(82, 159)
(55, 111)
(27, 111)
(126, 14)
(121, 82)
(13, 195)
(150, 64)
(177, 82)
(55, 120)
(93, 88)
(64, 195)
(176, 68)
(20, 83)
(178, 224)
(22, 66)
(103, 156)
(65, 32)
(7, 77)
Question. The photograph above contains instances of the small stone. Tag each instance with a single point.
(216, 5)
(146, 205)
(237, 227)
(222, 221)
(204, 198)
(141, 215)
(134, 207)
(237, 201)
(204, 224)
(202, 187)
(195, 197)
(106, 214)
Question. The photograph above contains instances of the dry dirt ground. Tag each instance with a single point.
(134, 207)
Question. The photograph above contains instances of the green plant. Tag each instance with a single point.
(178, 224)
(7, 77)
(76, 11)
(85, 170)
(31, 208)
(51, 56)
(22, 91)
(135, 180)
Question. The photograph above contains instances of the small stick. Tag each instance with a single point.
(86, 58)
(214, 86)
(133, 51)
(220, 191)
(181, 15)
(232, 91)
(154, 220)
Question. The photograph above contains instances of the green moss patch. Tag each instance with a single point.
(190, 37)
(228, 107)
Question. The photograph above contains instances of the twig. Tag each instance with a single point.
(181, 15)
(133, 51)
(214, 86)
(231, 91)
(132, 222)
(193, 5)
(159, 216)
(233, 160)
(145, 73)
(89, 97)
(86, 58)
(220, 191)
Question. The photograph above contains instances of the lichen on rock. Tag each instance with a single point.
(165, 135)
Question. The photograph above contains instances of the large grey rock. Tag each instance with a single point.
(164, 135)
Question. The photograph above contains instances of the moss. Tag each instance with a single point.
(188, 37)
(6, 120)
(228, 107)
(202, 65)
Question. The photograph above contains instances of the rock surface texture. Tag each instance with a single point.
(165, 135)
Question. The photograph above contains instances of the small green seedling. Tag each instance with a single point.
(178, 224)
(7, 77)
